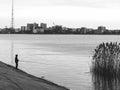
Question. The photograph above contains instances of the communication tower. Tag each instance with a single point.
(12, 17)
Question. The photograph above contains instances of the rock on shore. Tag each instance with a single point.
(13, 79)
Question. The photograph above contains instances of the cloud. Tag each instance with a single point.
(78, 3)
(87, 3)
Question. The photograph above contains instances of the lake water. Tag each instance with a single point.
(63, 59)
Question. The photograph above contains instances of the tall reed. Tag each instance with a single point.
(106, 59)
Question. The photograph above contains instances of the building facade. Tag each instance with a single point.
(43, 25)
(35, 25)
(30, 27)
(101, 29)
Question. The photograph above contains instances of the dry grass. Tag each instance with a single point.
(106, 59)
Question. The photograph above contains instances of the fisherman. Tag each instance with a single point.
(16, 61)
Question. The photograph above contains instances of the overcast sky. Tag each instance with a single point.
(70, 13)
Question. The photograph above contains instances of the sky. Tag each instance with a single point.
(68, 13)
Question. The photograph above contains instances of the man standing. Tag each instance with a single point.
(16, 61)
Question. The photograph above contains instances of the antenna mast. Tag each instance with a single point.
(12, 18)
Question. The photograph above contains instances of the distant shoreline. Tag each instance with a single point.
(54, 34)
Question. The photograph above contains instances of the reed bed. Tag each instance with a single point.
(106, 59)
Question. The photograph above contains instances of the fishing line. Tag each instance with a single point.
(37, 62)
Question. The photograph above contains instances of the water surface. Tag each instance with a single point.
(63, 59)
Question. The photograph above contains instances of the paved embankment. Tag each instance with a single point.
(13, 79)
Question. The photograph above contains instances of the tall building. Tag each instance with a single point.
(101, 29)
(30, 27)
(83, 30)
(23, 28)
(43, 26)
(35, 25)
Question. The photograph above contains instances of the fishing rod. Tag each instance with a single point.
(12, 51)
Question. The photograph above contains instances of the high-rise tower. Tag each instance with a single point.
(12, 17)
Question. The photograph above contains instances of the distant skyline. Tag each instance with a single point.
(69, 13)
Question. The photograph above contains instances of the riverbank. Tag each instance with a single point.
(16, 79)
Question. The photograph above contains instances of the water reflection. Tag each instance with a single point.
(105, 83)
